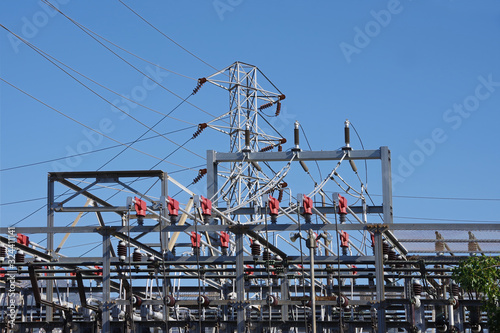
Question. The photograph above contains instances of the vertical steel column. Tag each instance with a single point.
(311, 244)
(240, 282)
(385, 158)
(106, 274)
(164, 241)
(50, 245)
(164, 210)
(212, 183)
(379, 276)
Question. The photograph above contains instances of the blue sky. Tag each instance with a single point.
(421, 77)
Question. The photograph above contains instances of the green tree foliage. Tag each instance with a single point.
(480, 277)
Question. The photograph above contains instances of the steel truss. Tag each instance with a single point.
(161, 279)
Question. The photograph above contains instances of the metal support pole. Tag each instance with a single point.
(106, 289)
(379, 276)
(212, 185)
(50, 245)
(311, 244)
(240, 282)
(385, 156)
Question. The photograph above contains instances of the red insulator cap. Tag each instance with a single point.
(249, 270)
(173, 207)
(344, 239)
(23, 239)
(195, 239)
(354, 272)
(2, 274)
(307, 204)
(224, 239)
(98, 273)
(342, 205)
(274, 206)
(140, 207)
(206, 206)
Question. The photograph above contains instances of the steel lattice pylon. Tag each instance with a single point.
(247, 102)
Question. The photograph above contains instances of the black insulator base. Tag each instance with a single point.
(307, 218)
(274, 219)
(342, 218)
(206, 219)
(196, 251)
(173, 219)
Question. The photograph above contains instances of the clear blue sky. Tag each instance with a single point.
(422, 77)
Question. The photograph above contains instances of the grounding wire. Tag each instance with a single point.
(90, 152)
(166, 36)
(95, 82)
(84, 29)
(114, 106)
(88, 127)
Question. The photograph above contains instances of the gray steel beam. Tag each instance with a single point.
(386, 184)
(106, 279)
(240, 283)
(379, 278)
(299, 156)
(105, 174)
(50, 243)
(322, 210)
(212, 179)
(271, 227)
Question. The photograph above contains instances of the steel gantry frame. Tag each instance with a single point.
(223, 282)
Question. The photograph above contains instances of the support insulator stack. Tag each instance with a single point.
(122, 250)
(386, 248)
(393, 255)
(455, 290)
(266, 255)
(20, 256)
(3, 253)
(255, 248)
(278, 109)
(137, 256)
(417, 288)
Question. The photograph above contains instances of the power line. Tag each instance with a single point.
(84, 29)
(442, 198)
(446, 220)
(90, 152)
(163, 34)
(88, 127)
(112, 104)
